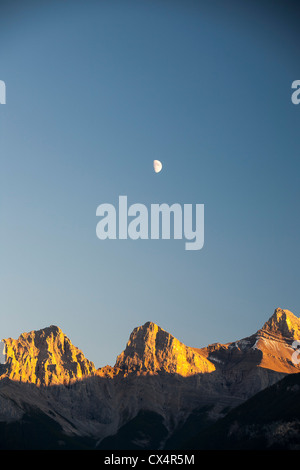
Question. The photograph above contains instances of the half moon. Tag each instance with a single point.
(157, 165)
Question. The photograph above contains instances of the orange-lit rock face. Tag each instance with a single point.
(275, 341)
(151, 350)
(45, 357)
(283, 324)
(155, 372)
(269, 348)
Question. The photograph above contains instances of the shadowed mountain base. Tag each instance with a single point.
(158, 391)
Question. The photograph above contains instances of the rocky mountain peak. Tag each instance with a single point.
(152, 350)
(45, 357)
(284, 324)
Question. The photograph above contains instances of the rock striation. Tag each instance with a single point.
(270, 348)
(152, 350)
(45, 357)
(156, 372)
(283, 324)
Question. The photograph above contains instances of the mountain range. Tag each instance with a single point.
(160, 394)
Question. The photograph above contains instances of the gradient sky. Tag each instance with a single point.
(95, 92)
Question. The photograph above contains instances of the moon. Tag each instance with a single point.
(157, 165)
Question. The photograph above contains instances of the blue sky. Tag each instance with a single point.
(95, 92)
